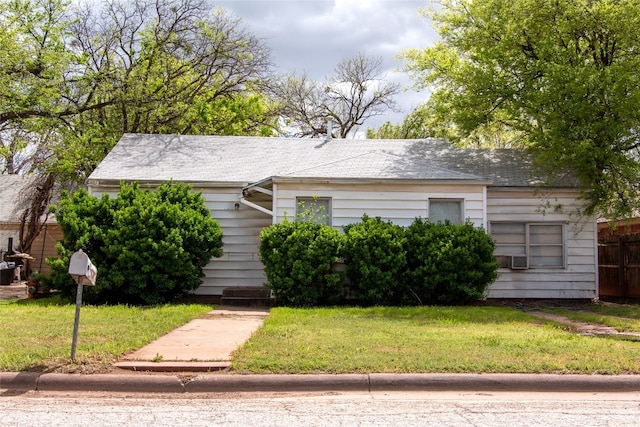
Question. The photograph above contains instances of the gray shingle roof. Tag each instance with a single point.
(244, 160)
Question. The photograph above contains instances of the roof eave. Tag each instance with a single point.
(534, 186)
(398, 181)
(103, 183)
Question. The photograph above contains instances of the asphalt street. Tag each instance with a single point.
(322, 409)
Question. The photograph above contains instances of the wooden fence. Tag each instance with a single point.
(619, 266)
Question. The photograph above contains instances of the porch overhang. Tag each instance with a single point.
(264, 186)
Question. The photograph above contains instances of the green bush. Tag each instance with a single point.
(149, 247)
(449, 264)
(375, 257)
(298, 259)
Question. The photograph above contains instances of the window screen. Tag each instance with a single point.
(314, 209)
(443, 210)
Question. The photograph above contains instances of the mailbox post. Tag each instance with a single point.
(84, 273)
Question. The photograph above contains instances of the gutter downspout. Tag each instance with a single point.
(256, 207)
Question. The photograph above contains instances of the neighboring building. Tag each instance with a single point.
(619, 228)
(250, 182)
(14, 197)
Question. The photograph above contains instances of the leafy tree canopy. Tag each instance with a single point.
(418, 124)
(558, 76)
(75, 76)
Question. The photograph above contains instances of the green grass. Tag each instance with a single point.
(36, 335)
(623, 319)
(426, 339)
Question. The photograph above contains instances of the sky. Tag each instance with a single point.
(313, 36)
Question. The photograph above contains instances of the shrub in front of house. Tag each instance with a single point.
(375, 261)
(298, 258)
(449, 264)
(150, 247)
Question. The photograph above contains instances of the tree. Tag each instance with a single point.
(75, 76)
(149, 247)
(169, 66)
(560, 76)
(354, 93)
(418, 124)
(33, 73)
(35, 70)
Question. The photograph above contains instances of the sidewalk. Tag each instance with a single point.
(204, 344)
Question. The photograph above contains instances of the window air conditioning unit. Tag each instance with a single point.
(518, 262)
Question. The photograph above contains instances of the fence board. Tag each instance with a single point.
(619, 266)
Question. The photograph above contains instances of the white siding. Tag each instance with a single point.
(579, 278)
(240, 263)
(400, 204)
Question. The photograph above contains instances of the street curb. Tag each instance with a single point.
(19, 380)
(109, 382)
(228, 383)
(278, 383)
(100, 382)
(504, 382)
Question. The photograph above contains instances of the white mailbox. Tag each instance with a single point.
(82, 270)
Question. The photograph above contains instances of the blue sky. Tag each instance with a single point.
(314, 35)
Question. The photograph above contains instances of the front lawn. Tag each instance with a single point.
(36, 335)
(427, 339)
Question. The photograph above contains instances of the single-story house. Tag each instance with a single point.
(14, 198)
(545, 249)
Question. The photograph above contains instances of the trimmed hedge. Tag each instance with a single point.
(298, 260)
(449, 264)
(428, 264)
(375, 260)
(149, 247)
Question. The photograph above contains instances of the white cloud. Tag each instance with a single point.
(315, 35)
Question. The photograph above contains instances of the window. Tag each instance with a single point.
(441, 210)
(314, 209)
(541, 243)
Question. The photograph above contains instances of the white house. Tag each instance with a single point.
(545, 248)
(14, 199)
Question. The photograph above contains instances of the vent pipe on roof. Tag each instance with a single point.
(329, 130)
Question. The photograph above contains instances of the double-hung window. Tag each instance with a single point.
(315, 209)
(541, 243)
(441, 210)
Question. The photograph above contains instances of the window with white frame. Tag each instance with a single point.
(543, 244)
(316, 209)
(441, 210)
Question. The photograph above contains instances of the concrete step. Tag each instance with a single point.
(245, 296)
(247, 291)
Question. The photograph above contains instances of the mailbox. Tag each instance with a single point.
(81, 269)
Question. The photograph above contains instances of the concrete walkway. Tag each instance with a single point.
(204, 344)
